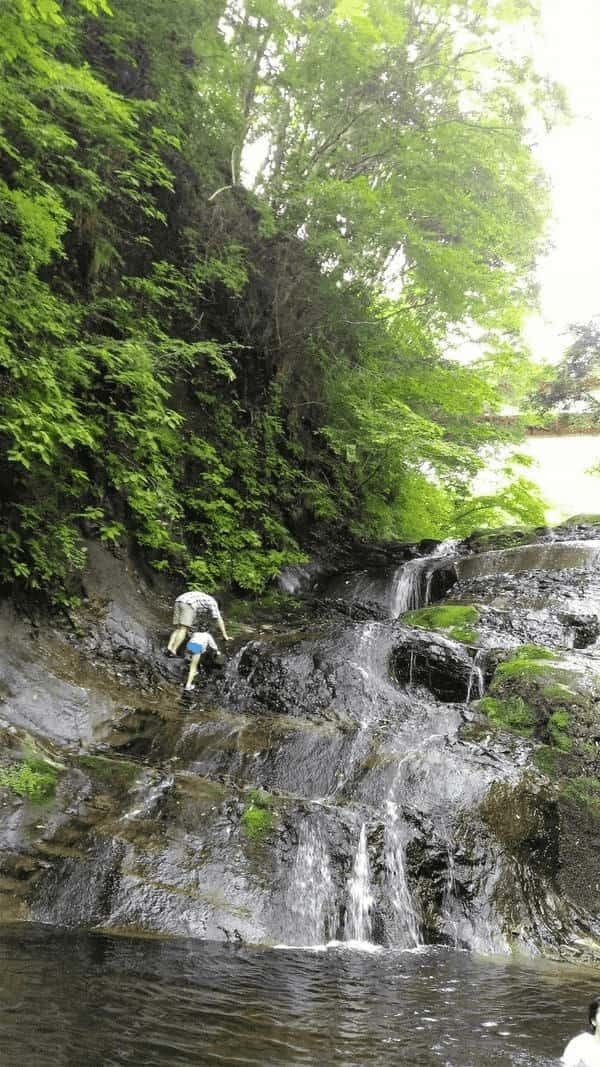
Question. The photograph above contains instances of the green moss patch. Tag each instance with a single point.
(454, 620)
(585, 792)
(119, 773)
(559, 725)
(34, 779)
(548, 760)
(258, 818)
(511, 713)
(529, 660)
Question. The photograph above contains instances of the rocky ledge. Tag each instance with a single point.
(402, 747)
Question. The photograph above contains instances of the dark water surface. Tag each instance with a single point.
(89, 999)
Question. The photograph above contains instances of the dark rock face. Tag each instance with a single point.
(341, 778)
(444, 667)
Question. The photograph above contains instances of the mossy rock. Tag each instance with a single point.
(503, 537)
(535, 694)
(511, 714)
(121, 774)
(585, 793)
(454, 620)
(524, 818)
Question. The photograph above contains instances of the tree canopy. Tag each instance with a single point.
(239, 244)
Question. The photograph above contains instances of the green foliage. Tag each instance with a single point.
(571, 382)
(455, 620)
(32, 778)
(211, 371)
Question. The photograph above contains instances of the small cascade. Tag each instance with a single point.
(447, 547)
(476, 682)
(406, 931)
(311, 897)
(407, 587)
(358, 917)
(372, 662)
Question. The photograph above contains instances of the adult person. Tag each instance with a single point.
(198, 644)
(584, 1050)
(190, 609)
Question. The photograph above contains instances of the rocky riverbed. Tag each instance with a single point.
(402, 747)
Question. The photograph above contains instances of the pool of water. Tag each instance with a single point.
(88, 999)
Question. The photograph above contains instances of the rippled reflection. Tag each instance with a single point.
(72, 999)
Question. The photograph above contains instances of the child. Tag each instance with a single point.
(198, 644)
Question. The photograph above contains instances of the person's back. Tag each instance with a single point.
(189, 610)
(584, 1050)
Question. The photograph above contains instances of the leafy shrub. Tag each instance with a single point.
(33, 779)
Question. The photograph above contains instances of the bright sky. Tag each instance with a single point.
(569, 49)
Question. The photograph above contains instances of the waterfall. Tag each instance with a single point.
(311, 897)
(358, 918)
(476, 681)
(406, 587)
(406, 931)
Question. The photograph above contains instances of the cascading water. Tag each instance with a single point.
(311, 897)
(405, 933)
(360, 902)
(407, 587)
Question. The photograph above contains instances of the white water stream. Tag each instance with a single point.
(311, 898)
(406, 932)
(360, 896)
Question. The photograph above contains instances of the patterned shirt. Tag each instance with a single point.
(203, 605)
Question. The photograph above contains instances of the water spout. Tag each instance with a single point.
(358, 920)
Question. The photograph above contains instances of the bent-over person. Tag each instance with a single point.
(190, 610)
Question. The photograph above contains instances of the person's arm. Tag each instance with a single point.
(221, 626)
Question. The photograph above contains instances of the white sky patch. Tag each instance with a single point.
(569, 50)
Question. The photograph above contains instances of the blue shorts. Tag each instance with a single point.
(194, 648)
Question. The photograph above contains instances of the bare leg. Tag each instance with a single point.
(193, 669)
(179, 634)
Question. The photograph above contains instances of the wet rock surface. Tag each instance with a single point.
(346, 775)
